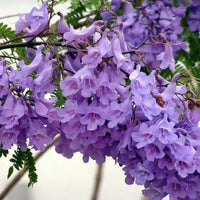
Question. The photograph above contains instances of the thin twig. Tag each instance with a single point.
(13, 15)
(97, 182)
(20, 174)
(32, 44)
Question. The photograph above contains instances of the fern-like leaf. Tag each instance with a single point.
(3, 152)
(7, 34)
(24, 160)
(78, 9)
(60, 98)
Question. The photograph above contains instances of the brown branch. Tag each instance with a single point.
(13, 15)
(145, 198)
(97, 182)
(20, 174)
(32, 44)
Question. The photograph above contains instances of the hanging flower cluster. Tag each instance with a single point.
(116, 102)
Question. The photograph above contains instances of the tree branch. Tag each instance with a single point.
(13, 15)
(97, 182)
(28, 44)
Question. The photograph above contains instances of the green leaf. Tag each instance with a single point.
(76, 14)
(24, 160)
(10, 172)
(7, 34)
(60, 98)
(3, 152)
(175, 3)
(30, 166)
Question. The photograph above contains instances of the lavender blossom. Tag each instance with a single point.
(34, 22)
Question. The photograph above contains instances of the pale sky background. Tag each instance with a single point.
(60, 178)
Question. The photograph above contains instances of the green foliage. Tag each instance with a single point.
(24, 160)
(9, 60)
(188, 63)
(138, 3)
(10, 172)
(167, 74)
(81, 7)
(88, 4)
(60, 98)
(175, 3)
(186, 1)
(7, 34)
(76, 14)
(3, 152)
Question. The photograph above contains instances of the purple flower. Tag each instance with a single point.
(165, 131)
(165, 17)
(62, 146)
(73, 128)
(154, 193)
(154, 150)
(125, 139)
(142, 172)
(175, 188)
(167, 58)
(34, 22)
(93, 118)
(22, 77)
(2, 66)
(167, 161)
(88, 86)
(184, 164)
(128, 17)
(40, 108)
(192, 186)
(43, 78)
(197, 161)
(8, 137)
(37, 135)
(148, 105)
(73, 34)
(106, 92)
(68, 112)
(69, 86)
(193, 19)
(119, 113)
(62, 25)
(184, 168)
(118, 58)
(95, 54)
(169, 92)
(144, 136)
(13, 110)
(4, 82)
(140, 82)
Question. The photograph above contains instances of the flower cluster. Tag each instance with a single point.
(154, 24)
(115, 101)
(193, 19)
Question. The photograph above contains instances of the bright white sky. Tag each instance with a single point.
(60, 178)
